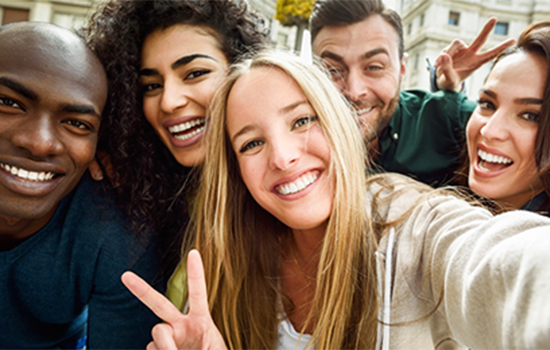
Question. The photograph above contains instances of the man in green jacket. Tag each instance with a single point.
(414, 132)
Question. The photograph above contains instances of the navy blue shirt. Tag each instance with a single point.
(61, 287)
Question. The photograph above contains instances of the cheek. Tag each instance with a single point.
(248, 174)
(83, 151)
(473, 129)
(386, 88)
(209, 87)
(526, 144)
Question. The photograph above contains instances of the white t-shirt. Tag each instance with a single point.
(289, 338)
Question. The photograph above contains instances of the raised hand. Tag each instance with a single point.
(196, 330)
(458, 61)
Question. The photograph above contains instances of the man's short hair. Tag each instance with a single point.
(337, 13)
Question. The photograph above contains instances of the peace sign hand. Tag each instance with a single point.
(458, 61)
(196, 330)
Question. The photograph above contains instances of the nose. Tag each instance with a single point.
(174, 96)
(355, 88)
(40, 136)
(284, 154)
(496, 127)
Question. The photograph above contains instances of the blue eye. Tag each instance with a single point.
(304, 121)
(250, 145)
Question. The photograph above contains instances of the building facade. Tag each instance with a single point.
(65, 13)
(73, 14)
(431, 25)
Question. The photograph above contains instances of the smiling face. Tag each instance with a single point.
(181, 68)
(282, 151)
(364, 61)
(502, 131)
(52, 93)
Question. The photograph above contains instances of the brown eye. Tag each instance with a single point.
(8, 102)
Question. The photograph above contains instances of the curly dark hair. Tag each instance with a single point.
(151, 186)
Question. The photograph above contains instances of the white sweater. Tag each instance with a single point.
(491, 276)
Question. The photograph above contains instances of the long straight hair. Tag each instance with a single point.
(240, 242)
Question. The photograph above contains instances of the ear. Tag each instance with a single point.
(403, 65)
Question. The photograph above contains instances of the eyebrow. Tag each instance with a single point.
(284, 110)
(18, 88)
(521, 101)
(366, 55)
(81, 109)
(182, 61)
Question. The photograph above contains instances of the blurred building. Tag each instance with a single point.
(73, 14)
(431, 25)
(65, 13)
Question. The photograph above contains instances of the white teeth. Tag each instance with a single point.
(493, 158)
(358, 112)
(191, 134)
(186, 126)
(26, 174)
(298, 185)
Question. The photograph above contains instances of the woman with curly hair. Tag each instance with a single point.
(164, 59)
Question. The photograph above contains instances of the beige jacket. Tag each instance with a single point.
(460, 278)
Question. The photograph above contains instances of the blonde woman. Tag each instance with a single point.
(300, 251)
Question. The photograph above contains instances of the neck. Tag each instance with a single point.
(14, 231)
(518, 201)
(308, 242)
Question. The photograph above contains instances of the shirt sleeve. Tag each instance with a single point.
(487, 275)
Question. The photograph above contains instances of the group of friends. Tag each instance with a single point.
(264, 201)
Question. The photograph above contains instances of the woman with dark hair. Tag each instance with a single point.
(164, 60)
(508, 143)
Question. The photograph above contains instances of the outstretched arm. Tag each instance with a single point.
(458, 61)
(196, 330)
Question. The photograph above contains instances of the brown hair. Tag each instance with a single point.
(345, 12)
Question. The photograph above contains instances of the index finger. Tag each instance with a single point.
(158, 303)
(198, 297)
(481, 38)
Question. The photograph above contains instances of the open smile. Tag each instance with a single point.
(299, 184)
(29, 175)
(489, 164)
(188, 129)
(359, 112)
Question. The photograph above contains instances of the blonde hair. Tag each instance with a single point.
(240, 242)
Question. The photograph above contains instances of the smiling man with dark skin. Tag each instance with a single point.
(413, 132)
(63, 246)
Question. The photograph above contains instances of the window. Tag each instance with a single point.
(11, 15)
(416, 59)
(454, 18)
(409, 29)
(501, 28)
(421, 20)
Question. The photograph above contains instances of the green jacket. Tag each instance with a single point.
(425, 136)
